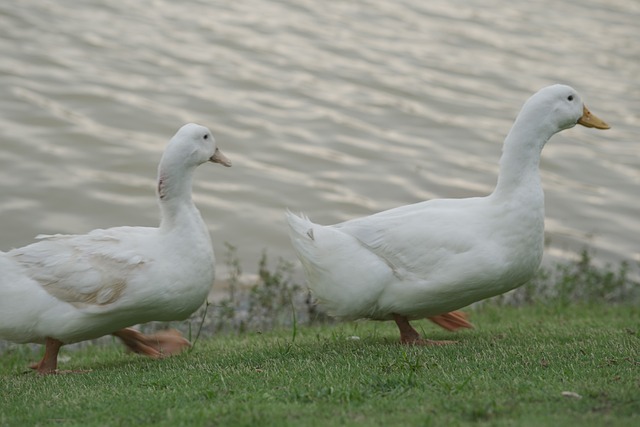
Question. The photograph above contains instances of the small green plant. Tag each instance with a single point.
(225, 310)
(270, 300)
(273, 299)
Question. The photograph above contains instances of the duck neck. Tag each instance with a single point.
(520, 161)
(174, 195)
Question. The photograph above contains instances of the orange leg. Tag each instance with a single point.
(49, 362)
(452, 321)
(410, 336)
(160, 344)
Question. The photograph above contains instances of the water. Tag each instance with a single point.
(339, 109)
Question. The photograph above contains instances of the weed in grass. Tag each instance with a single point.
(273, 300)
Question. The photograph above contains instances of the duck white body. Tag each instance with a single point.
(463, 262)
(429, 258)
(71, 288)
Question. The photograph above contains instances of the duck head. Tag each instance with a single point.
(563, 107)
(196, 145)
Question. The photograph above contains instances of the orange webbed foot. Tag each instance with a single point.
(161, 344)
(452, 321)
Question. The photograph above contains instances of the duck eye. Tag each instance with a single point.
(570, 98)
(206, 136)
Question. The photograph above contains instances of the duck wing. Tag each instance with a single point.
(85, 270)
(418, 239)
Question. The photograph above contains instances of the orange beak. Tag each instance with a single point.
(591, 121)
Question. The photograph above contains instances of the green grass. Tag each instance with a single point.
(511, 370)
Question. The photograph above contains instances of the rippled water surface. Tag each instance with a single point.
(339, 109)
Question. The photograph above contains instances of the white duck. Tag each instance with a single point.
(70, 288)
(429, 258)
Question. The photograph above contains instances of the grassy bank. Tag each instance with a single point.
(534, 365)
